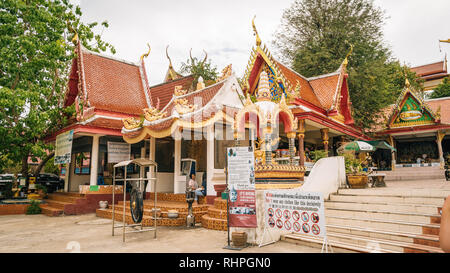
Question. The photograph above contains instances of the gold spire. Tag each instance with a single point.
(345, 62)
(167, 54)
(258, 40)
(146, 54)
(407, 83)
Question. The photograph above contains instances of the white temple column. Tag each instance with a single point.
(177, 166)
(94, 160)
(151, 156)
(440, 137)
(210, 160)
(67, 177)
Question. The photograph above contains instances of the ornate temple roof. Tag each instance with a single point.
(195, 109)
(433, 70)
(107, 83)
(326, 95)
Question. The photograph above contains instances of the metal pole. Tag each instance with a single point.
(228, 198)
(124, 200)
(113, 198)
(154, 188)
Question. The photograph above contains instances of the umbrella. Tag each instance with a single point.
(380, 144)
(358, 146)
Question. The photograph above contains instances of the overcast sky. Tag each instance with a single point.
(223, 28)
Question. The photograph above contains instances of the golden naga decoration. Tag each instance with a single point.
(132, 123)
(179, 91)
(152, 114)
(345, 62)
(258, 40)
(183, 107)
(226, 72)
(294, 93)
(146, 54)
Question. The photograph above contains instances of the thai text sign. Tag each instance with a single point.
(118, 152)
(295, 211)
(241, 183)
(63, 149)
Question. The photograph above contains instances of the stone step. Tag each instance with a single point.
(213, 223)
(399, 192)
(57, 204)
(163, 213)
(384, 225)
(404, 177)
(437, 201)
(50, 211)
(217, 213)
(147, 221)
(63, 197)
(336, 246)
(383, 215)
(73, 194)
(383, 207)
(430, 240)
(374, 244)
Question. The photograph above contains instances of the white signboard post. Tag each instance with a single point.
(118, 152)
(63, 149)
(296, 211)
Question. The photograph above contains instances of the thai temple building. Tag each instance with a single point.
(174, 120)
(432, 74)
(418, 128)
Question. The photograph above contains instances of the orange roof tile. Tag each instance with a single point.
(165, 90)
(306, 91)
(114, 85)
(428, 69)
(325, 88)
(110, 84)
(444, 104)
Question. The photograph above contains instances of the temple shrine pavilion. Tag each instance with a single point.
(418, 128)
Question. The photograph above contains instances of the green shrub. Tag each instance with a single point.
(34, 208)
(318, 154)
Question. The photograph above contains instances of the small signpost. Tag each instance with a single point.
(118, 152)
(295, 211)
(241, 201)
(63, 148)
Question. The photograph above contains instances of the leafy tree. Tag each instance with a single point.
(204, 69)
(316, 35)
(442, 90)
(35, 56)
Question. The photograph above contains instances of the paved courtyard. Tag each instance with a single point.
(39, 233)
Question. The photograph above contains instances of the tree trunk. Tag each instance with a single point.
(43, 162)
(24, 170)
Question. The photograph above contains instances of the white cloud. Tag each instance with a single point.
(223, 29)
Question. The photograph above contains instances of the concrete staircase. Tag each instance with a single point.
(385, 220)
(67, 203)
(414, 173)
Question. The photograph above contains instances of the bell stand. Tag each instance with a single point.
(142, 163)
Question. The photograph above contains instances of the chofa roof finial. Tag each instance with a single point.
(146, 54)
(258, 40)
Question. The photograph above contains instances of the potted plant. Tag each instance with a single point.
(356, 177)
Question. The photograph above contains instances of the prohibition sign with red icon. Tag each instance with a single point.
(315, 229)
(296, 226)
(279, 223)
(270, 212)
(271, 222)
(305, 216)
(296, 215)
(305, 228)
(287, 225)
(278, 213)
(314, 217)
(287, 214)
